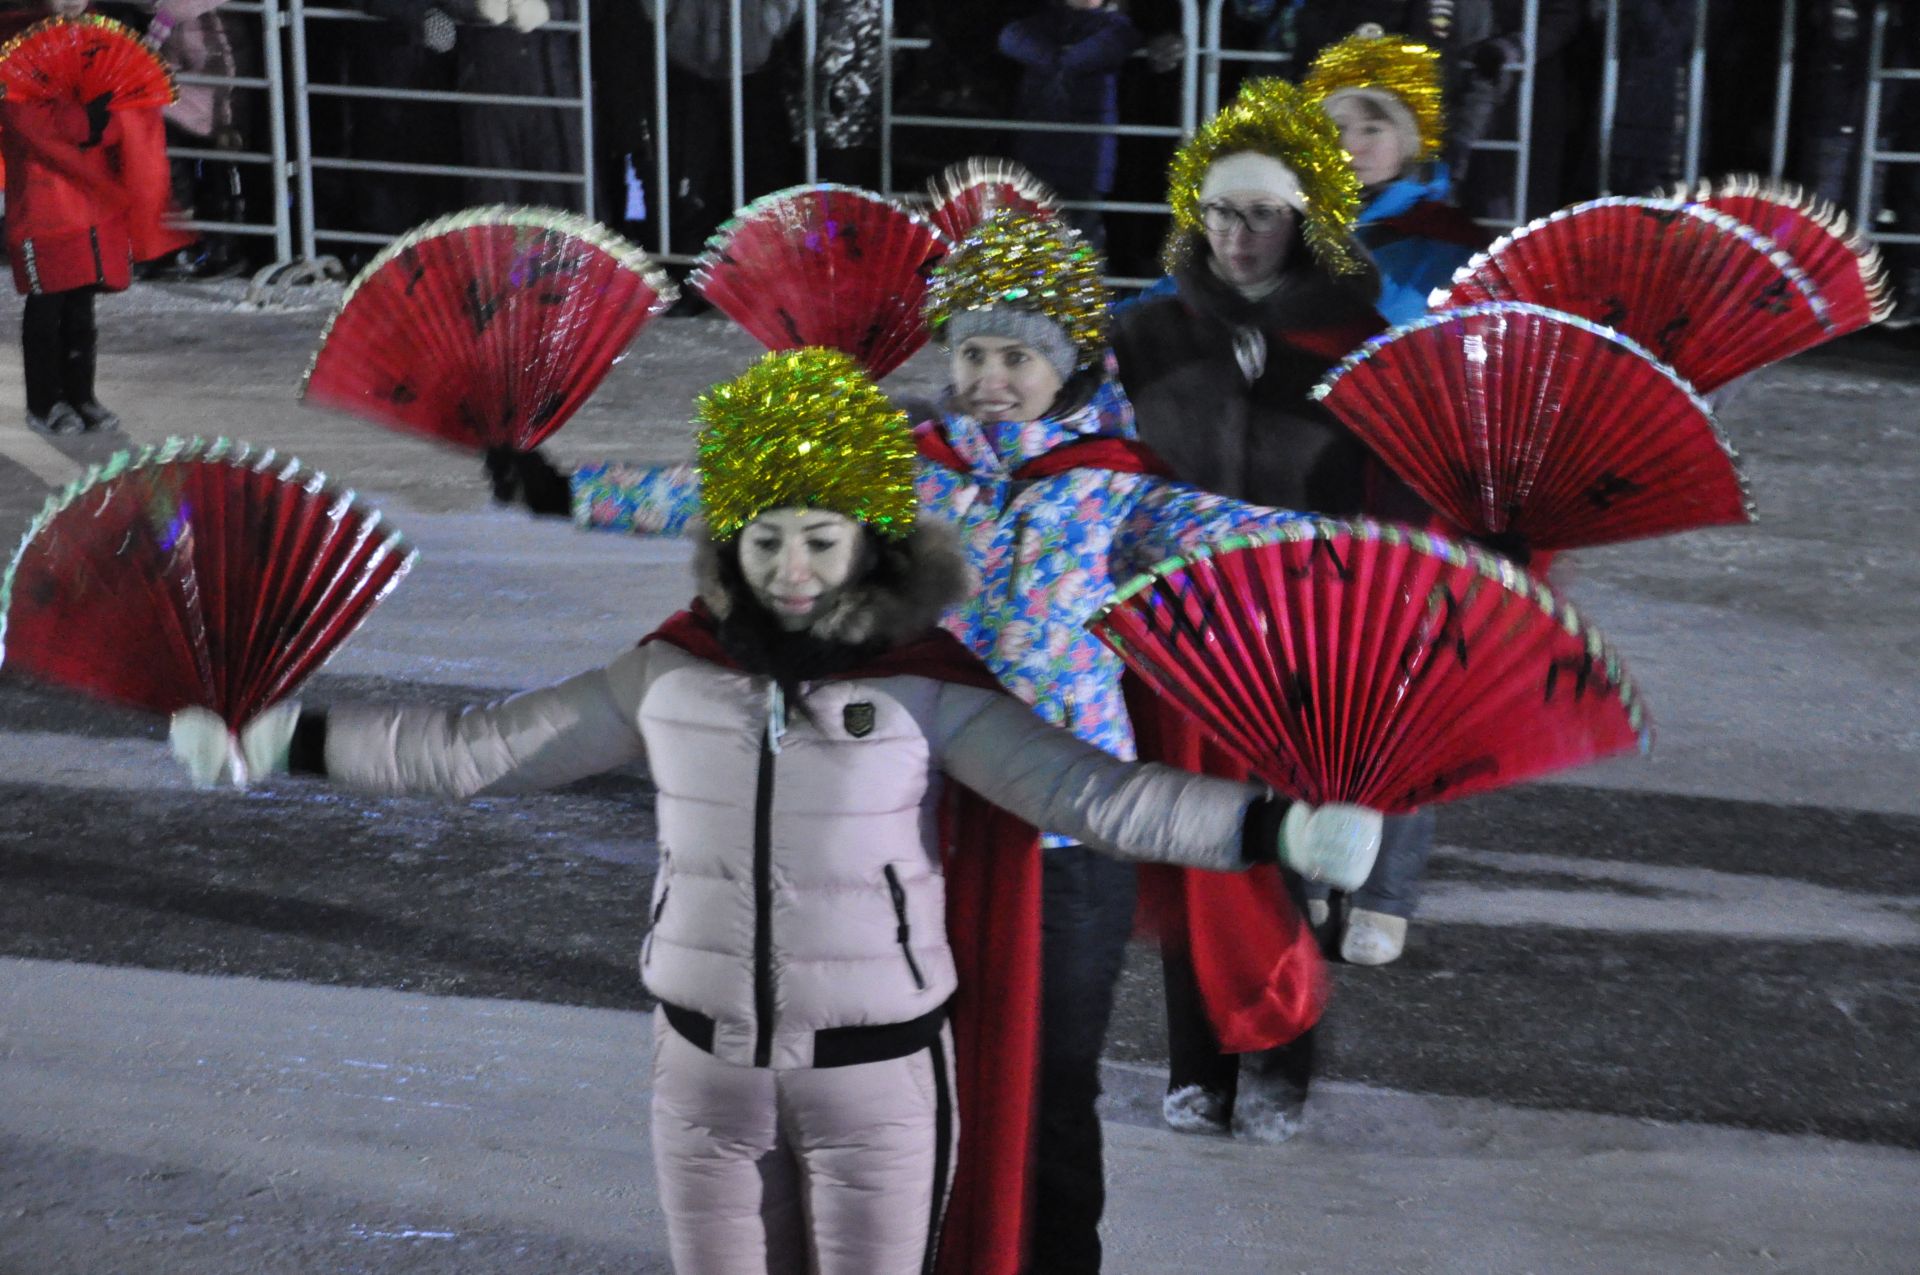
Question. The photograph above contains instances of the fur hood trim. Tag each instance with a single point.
(934, 570)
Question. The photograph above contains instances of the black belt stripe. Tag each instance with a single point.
(942, 1151)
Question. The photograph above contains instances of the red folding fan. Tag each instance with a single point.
(1842, 263)
(825, 265)
(1515, 420)
(971, 191)
(1374, 664)
(194, 574)
(1707, 295)
(80, 59)
(487, 328)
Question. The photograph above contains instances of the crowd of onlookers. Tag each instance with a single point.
(1079, 61)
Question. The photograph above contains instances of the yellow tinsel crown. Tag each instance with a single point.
(1272, 117)
(1017, 259)
(1407, 69)
(804, 429)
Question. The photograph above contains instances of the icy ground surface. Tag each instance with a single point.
(1659, 1016)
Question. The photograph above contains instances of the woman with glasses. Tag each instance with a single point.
(1268, 290)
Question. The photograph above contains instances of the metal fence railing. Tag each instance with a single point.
(1873, 157)
(289, 88)
(304, 90)
(262, 19)
(892, 121)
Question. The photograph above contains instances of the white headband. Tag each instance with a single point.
(1249, 172)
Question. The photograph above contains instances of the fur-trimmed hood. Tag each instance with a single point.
(901, 598)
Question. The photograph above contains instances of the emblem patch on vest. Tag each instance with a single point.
(858, 718)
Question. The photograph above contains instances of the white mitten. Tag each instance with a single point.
(267, 740)
(202, 743)
(530, 15)
(1334, 844)
(493, 12)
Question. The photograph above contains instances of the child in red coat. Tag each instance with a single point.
(86, 192)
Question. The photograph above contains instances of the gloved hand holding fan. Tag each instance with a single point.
(1373, 666)
(206, 581)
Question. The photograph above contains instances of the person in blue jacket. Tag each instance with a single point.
(1070, 54)
(1384, 93)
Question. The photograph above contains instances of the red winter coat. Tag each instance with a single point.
(80, 215)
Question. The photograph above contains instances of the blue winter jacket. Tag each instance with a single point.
(1413, 264)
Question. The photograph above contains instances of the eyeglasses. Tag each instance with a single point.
(1261, 219)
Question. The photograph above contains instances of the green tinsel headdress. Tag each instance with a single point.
(806, 429)
(1274, 118)
(1025, 262)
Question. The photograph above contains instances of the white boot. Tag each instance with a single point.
(1373, 938)
(1195, 1109)
(1267, 1109)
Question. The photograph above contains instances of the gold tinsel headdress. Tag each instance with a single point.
(805, 429)
(1272, 117)
(1020, 261)
(1369, 59)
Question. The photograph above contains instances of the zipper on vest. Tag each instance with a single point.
(904, 933)
(763, 905)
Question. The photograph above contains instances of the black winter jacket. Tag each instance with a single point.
(1260, 440)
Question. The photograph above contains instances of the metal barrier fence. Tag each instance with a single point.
(304, 90)
(1872, 157)
(290, 90)
(270, 83)
(890, 120)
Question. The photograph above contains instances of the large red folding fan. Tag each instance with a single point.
(1520, 421)
(487, 328)
(194, 574)
(1369, 663)
(825, 265)
(81, 59)
(1710, 297)
(969, 192)
(1843, 264)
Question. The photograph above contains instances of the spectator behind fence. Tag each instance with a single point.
(1071, 53)
(191, 37)
(518, 57)
(699, 69)
(846, 87)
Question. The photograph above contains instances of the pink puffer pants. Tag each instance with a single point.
(821, 1170)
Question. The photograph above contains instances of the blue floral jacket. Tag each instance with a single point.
(1049, 552)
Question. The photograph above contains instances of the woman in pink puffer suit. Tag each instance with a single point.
(802, 1115)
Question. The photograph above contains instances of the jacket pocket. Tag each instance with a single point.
(903, 931)
(659, 909)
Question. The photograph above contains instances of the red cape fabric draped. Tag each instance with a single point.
(992, 863)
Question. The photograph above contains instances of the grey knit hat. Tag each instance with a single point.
(1029, 327)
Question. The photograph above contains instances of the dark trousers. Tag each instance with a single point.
(1087, 914)
(1393, 887)
(1193, 1051)
(58, 340)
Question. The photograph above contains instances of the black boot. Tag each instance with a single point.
(82, 342)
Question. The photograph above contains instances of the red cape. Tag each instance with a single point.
(1257, 964)
(992, 865)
